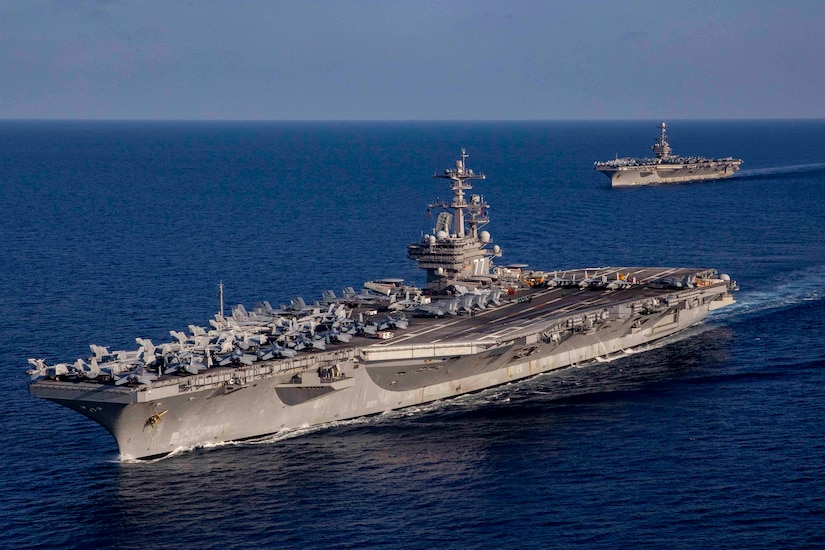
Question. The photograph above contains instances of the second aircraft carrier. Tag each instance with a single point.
(665, 167)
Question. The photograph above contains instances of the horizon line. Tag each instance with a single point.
(411, 120)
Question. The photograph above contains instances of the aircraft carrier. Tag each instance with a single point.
(665, 167)
(386, 346)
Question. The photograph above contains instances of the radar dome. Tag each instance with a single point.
(431, 239)
(725, 277)
(441, 235)
(484, 237)
(496, 249)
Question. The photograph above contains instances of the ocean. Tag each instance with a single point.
(712, 439)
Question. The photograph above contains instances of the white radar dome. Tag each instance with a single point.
(484, 237)
(441, 235)
(496, 249)
(724, 277)
(431, 239)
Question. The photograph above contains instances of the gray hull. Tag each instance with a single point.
(629, 176)
(228, 404)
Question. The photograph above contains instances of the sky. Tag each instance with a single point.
(412, 60)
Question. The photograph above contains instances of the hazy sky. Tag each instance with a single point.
(392, 60)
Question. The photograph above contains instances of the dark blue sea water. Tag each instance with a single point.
(114, 230)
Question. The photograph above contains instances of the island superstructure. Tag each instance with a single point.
(665, 167)
(387, 346)
(457, 251)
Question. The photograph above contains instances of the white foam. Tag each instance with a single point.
(779, 170)
(794, 288)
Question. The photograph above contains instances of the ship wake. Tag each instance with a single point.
(797, 288)
(780, 171)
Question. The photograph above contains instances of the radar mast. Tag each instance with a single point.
(459, 177)
(662, 148)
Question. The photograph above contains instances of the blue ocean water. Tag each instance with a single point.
(716, 438)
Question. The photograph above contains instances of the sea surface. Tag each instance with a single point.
(713, 439)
